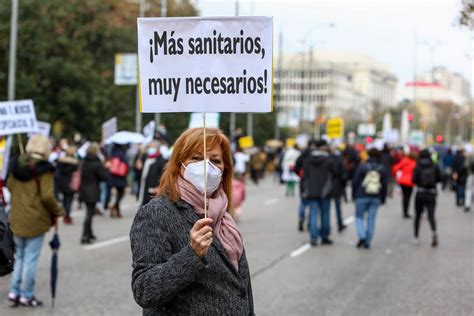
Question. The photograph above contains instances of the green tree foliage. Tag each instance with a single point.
(467, 14)
(65, 59)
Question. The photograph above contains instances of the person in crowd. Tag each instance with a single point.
(304, 202)
(369, 190)
(183, 262)
(339, 184)
(93, 172)
(447, 165)
(152, 170)
(66, 166)
(388, 161)
(238, 194)
(460, 174)
(241, 160)
(426, 175)
(34, 210)
(403, 172)
(257, 165)
(470, 182)
(138, 162)
(288, 165)
(118, 171)
(318, 179)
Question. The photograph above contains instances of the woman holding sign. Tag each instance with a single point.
(183, 262)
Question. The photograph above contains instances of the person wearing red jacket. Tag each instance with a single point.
(403, 172)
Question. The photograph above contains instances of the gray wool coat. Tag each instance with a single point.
(168, 278)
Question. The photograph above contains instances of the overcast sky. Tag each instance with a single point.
(383, 29)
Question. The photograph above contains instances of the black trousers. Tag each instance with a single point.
(406, 192)
(87, 230)
(422, 201)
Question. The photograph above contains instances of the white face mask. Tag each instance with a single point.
(194, 173)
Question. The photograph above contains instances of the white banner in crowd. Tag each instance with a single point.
(212, 120)
(17, 117)
(109, 128)
(44, 128)
(149, 132)
(205, 64)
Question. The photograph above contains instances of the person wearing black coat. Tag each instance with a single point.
(338, 190)
(66, 166)
(460, 174)
(151, 173)
(93, 172)
(304, 202)
(116, 181)
(317, 188)
(425, 176)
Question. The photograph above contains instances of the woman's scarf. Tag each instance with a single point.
(224, 226)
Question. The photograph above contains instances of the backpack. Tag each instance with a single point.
(372, 182)
(7, 245)
(427, 177)
(75, 183)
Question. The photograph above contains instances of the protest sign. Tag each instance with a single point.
(5, 146)
(245, 142)
(366, 129)
(149, 132)
(109, 128)
(44, 128)
(290, 142)
(126, 69)
(17, 117)
(335, 128)
(205, 64)
(212, 120)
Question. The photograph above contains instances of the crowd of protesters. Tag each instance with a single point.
(46, 180)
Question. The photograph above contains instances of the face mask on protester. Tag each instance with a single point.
(194, 173)
(152, 151)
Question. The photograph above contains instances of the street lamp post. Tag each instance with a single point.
(12, 60)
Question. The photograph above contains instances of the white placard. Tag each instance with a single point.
(205, 64)
(109, 128)
(17, 117)
(126, 72)
(149, 132)
(44, 128)
(212, 120)
(391, 136)
(366, 129)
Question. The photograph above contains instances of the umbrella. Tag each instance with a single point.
(54, 244)
(124, 137)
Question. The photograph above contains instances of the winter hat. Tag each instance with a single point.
(38, 147)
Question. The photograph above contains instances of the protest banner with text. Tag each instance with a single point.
(205, 64)
(17, 117)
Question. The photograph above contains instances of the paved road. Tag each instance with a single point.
(396, 277)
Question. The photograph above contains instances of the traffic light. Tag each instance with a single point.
(439, 138)
(369, 140)
(410, 117)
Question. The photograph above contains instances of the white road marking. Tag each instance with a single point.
(348, 220)
(106, 243)
(270, 202)
(300, 250)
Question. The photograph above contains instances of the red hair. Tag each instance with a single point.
(190, 143)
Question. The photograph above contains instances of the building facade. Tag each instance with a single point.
(314, 86)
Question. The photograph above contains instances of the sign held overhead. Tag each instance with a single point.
(205, 64)
(17, 117)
